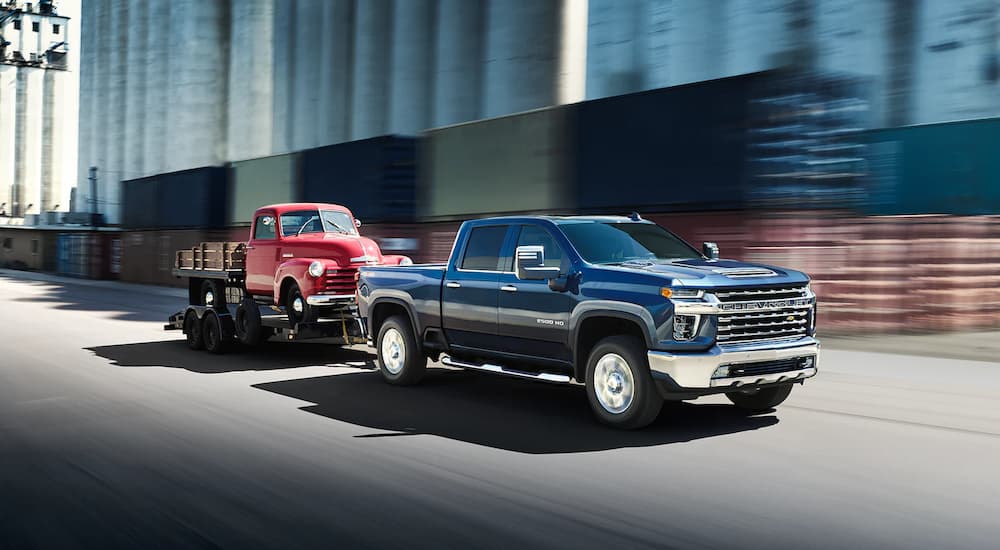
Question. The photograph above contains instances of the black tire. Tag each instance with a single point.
(213, 294)
(215, 337)
(248, 324)
(294, 316)
(406, 364)
(192, 329)
(638, 407)
(763, 399)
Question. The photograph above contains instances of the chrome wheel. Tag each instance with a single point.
(393, 351)
(613, 383)
(298, 305)
(209, 298)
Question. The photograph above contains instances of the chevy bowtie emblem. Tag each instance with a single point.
(790, 318)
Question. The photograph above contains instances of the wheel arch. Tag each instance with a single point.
(385, 307)
(592, 326)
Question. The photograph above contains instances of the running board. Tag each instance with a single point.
(497, 369)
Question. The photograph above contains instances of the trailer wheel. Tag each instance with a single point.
(248, 324)
(297, 308)
(213, 294)
(192, 329)
(215, 340)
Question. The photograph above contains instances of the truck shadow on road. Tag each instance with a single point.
(267, 356)
(513, 415)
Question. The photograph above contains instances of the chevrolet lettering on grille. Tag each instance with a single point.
(765, 304)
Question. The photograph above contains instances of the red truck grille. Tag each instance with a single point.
(340, 281)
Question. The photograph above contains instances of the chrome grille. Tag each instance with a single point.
(340, 281)
(756, 325)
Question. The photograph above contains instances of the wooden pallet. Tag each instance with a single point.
(213, 256)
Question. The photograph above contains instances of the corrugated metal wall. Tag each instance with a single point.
(258, 182)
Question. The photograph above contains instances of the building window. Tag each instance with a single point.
(17, 24)
(55, 29)
(34, 26)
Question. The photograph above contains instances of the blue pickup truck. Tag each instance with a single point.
(617, 304)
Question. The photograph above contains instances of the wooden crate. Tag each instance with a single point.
(213, 256)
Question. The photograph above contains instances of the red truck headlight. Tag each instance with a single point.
(316, 269)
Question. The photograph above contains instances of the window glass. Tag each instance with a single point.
(483, 250)
(17, 24)
(535, 235)
(264, 228)
(34, 26)
(301, 221)
(612, 242)
(55, 29)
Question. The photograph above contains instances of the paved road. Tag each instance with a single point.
(113, 434)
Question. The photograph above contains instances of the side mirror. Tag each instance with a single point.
(710, 250)
(357, 222)
(529, 262)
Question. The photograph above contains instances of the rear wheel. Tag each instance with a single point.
(215, 340)
(762, 399)
(192, 329)
(213, 294)
(400, 360)
(619, 387)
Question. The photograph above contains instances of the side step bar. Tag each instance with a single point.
(497, 369)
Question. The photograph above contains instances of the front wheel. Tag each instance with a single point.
(298, 309)
(620, 389)
(400, 360)
(762, 399)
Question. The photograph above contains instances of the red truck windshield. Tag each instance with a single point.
(316, 221)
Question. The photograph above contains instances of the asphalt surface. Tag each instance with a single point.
(114, 435)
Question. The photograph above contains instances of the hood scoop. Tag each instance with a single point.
(744, 272)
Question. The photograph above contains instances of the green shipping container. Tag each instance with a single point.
(514, 163)
(947, 168)
(258, 182)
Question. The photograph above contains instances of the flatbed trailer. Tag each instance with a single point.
(220, 312)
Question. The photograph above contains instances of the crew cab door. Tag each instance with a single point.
(262, 252)
(469, 291)
(534, 319)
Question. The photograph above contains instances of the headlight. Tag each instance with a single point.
(682, 293)
(405, 261)
(316, 269)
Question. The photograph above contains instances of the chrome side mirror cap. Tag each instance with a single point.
(529, 264)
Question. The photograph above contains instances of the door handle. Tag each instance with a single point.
(508, 288)
(452, 284)
(247, 248)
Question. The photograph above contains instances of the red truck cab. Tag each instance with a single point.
(305, 256)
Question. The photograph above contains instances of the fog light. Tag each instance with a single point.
(721, 372)
(808, 362)
(685, 327)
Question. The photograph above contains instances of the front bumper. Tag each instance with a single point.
(694, 371)
(331, 299)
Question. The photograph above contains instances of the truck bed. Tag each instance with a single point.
(422, 283)
(212, 257)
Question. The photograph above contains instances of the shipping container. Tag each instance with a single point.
(948, 168)
(148, 256)
(194, 198)
(671, 149)
(375, 178)
(509, 164)
(89, 254)
(258, 182)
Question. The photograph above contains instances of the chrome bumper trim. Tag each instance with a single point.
(694, 370)
(328, 299)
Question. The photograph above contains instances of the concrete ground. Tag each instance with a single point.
(114, 435)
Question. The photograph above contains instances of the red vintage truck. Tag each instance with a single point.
(300, 264)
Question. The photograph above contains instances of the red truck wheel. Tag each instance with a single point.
(296, 306)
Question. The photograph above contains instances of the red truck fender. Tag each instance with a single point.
(297, 270)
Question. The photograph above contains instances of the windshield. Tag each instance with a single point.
(317, 221)
(617, 242)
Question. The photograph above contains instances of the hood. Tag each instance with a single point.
(702, 273)
(353, 249)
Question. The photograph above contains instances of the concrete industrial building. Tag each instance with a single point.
(174, 84)
(38, 98)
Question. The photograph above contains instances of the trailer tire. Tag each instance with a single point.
(215, 336)
(248, 324)
(400, 360)
(193, 331)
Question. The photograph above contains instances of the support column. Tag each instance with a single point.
(458, 61)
